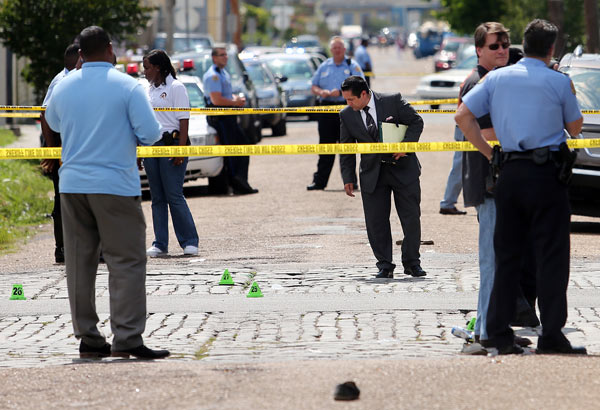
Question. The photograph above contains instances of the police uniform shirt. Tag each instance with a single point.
(330, 76)
(62, 74)
(169, 95)
(529, 104)
(362, 57)
(217, 80)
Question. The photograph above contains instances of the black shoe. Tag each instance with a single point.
(415, 271)
(245, 191)
(59, 255)
(89, 352)
(510, 349)
(385, 274)
(452, 211)
(522, 341)
(242, 187)
(315, 187)
(346, 391)
(142, 352)
(564, 349)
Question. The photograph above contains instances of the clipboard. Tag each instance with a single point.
(390, 132)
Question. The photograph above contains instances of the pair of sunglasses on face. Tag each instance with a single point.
(496, 46)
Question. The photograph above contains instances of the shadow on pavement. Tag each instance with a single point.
(592, 228)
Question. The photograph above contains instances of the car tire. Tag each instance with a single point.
(218, 185)
(279, 129)
(435, 106)
(254, 130)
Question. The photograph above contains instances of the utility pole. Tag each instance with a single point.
(556, 14)
(590, 8)
(237, 34)
(170, 24)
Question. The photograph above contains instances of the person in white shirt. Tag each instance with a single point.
(166, 175)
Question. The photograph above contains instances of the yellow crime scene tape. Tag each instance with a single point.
(244, 150)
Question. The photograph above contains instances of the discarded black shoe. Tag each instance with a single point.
(510, 349)
(142, 352)
(522, 341)
(346, 391)
(89, 352)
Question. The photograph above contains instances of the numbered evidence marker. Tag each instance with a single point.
(254, 291)
(17, 293)
(226, 278)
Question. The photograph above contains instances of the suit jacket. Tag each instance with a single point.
(353, 129)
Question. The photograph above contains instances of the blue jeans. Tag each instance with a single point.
(454, 184)
(166, 189)
(486, 214)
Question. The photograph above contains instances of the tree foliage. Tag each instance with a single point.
(41, 30)
(465, 15)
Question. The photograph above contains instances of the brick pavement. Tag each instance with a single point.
(232, 333)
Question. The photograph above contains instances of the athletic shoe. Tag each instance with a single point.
(190, 250)
(153, 252)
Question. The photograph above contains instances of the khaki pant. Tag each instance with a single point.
(114, 224)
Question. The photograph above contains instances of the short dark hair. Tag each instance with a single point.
(71, 55)
(160, 59)
(355, 84)
(215, 49)
(491, 27)
(93, 40)
(539, 37)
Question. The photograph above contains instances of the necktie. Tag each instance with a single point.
(371, 127)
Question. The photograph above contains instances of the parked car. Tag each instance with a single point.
(298, 69)
(445, 84)
(450, 50)
(240, 81)
(270, 94)
(584, 190)
(200, 133)
(184, 42)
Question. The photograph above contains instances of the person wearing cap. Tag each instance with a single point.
(326, 85)
(166, 175)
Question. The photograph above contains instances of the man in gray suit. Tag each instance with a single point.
(384, 174)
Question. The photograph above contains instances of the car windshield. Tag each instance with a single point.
(258, 75)
(292, 69)
(587, 84)
(452, 46)
(469, 62)
(195, 95)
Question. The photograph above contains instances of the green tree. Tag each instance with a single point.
(41, 30)
(262, 18)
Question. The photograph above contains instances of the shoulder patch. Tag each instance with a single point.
(215, 77)
(482, 79)
(573, 88)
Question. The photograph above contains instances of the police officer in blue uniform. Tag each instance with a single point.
(218, 93)
(531, 105)
(364, 59)
(326, 85)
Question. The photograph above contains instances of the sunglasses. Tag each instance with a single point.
(496, 46)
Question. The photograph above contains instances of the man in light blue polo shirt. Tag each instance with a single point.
(102, 115)
(531, 105)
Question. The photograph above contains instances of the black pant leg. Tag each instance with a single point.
(329, 133)
(230, 133)
(56, 213)
(407, 199)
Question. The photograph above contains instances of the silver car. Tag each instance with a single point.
(200, 133)
(584, 191)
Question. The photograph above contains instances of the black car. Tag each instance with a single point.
(584, 191)
(240, 81)
(270, 94)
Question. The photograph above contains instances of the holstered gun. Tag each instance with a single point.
(565, 159)
(495, 167)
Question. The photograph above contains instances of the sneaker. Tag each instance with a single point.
(190, 250)
(153, 252)
(473, 349)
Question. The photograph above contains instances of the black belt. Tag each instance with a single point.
(539, 155)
